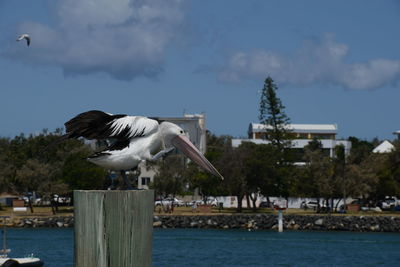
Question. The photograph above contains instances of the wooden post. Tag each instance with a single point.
(280, 221)
(113, 228)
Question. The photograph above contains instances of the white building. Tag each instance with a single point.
(303, 133)
(384, 147)
(397, 133)
(194, 126)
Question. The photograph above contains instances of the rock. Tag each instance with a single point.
(225, 227)
(157, 224)
(60, 224)
(193, 224)
(319, 222)
(249, 224)
(374, 227)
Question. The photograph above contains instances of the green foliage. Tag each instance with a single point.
(32, 163)
(260, 168)
(319, 172)
(207, 184)
(314, 145)
(388, 174)
(170, 176)
(272, 114)
(232, 167)
(360, 150)
(78, 173)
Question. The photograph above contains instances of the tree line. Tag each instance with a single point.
(39, 163)
(253, 170)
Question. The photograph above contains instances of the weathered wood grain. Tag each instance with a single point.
(113, 228)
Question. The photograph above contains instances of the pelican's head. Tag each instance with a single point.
(173, 135)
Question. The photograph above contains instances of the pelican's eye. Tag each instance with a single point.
(181, 131)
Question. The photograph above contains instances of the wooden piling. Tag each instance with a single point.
(113, 228)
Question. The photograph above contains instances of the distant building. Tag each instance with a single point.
(7, 199)
(303, 134)
(397, 133)
(384, 147)
(194, 126)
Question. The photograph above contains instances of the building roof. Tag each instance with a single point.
(397, 132)
(299, 128)
(384, 147)
(6, 195)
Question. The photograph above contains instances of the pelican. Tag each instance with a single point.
(135, 139)
(26, 37)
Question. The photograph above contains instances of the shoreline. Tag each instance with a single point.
(354, 223)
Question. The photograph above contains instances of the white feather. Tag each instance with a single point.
(136, 125)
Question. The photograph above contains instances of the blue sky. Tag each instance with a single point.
(333, 61)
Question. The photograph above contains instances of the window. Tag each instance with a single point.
(302, 135)
(323, 136)
(145, 181)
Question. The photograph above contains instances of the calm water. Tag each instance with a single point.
(187, 247)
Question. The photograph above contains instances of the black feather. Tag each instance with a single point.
(118, 145)
(98, 154)
(92, 124)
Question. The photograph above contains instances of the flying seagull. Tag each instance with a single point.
(26, 37)
(135, 139)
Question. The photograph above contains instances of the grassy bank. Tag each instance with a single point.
(37, 212)
(231, 211)
(69, 211)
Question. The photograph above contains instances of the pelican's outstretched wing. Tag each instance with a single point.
(96, 124)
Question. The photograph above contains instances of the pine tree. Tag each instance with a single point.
(272, 115)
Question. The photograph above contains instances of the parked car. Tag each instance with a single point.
(312, 205)
(388, 203)
(35, 201)
(193, 202)
(61, 200)
(364, 204)
(168, 201)
(209, 201)
(265, 204)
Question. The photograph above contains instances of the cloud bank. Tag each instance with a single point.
(316, 62)
(123, 38)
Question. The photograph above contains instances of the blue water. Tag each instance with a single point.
(197, 247)
(54, 246)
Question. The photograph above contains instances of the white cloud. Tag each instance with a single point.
(123, 38)
(315, 62)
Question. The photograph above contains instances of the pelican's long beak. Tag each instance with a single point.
(183, 144)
